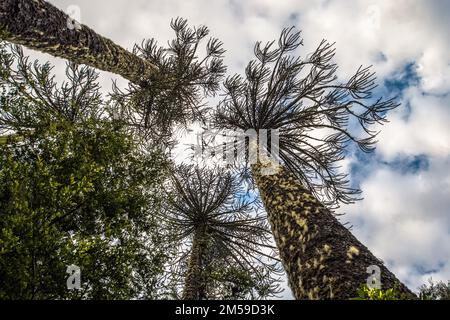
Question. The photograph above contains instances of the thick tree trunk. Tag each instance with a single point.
(194, 287)
(322, 259)
(39, 25)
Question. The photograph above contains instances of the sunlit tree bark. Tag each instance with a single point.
(322, 259)
(39, 25)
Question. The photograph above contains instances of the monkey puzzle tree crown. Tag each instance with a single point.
(210, 215)
(216, 199)
(176, 93)
(313, 111)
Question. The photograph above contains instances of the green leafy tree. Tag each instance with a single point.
(75, 189)
(431, 291)
(435, 290)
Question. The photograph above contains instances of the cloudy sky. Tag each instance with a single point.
(405, 215)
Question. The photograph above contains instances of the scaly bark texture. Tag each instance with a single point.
(39, 25)
(194, 286)
(322, 259)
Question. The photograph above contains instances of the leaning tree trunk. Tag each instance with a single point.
(322, 259)
(39, 25)
(194, 286)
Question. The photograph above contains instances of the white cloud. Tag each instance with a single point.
(424, 129)
(405, 219)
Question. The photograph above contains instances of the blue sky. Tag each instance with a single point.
(405, 215)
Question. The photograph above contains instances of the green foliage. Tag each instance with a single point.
(75, 188)
(76, 197)
(435, 291)
(432, 291)
(366, 293)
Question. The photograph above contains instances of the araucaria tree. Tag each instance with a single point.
(213, 221)
(303, 99)
(167, 84)
(187, 75)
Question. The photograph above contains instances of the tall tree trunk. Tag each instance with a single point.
(322, 259)
(39, 25)
(194, 286)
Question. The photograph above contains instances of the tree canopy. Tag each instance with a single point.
(75, 188)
